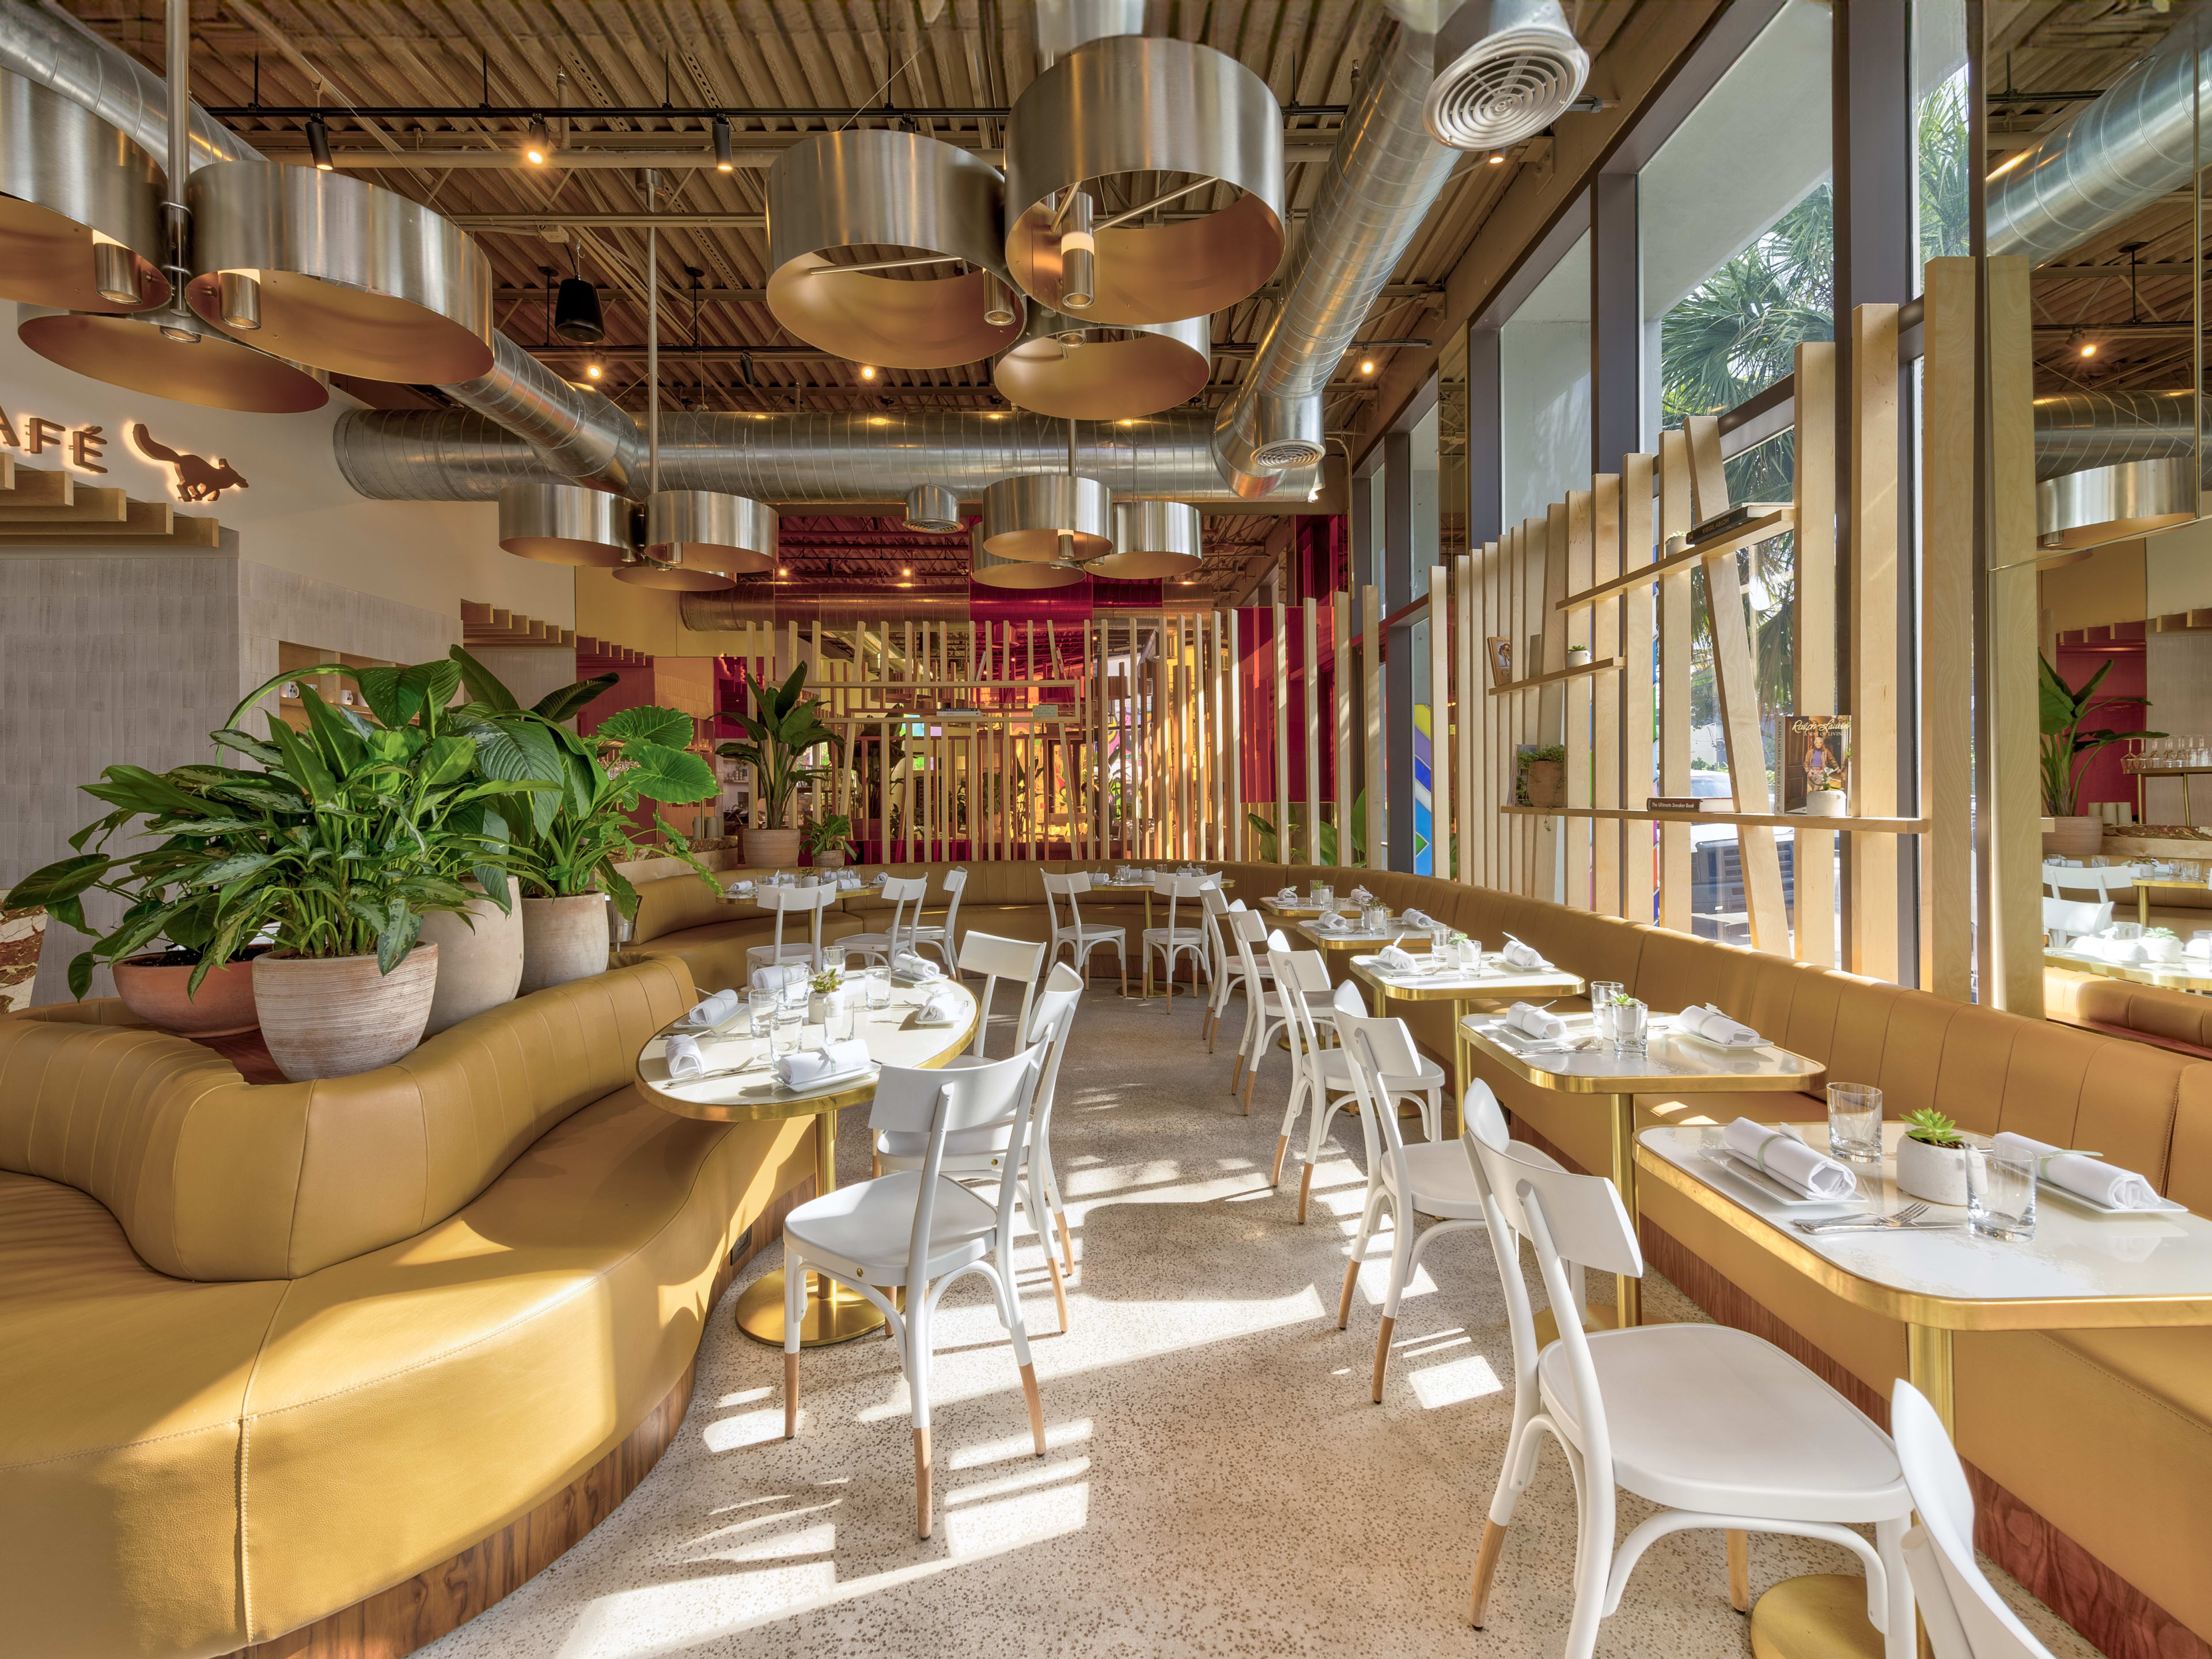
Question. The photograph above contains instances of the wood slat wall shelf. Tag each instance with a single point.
(484, 624)
(597, 651)
(1757, 820)
(1606, 666)
(1763, 528)
(47, 507)
(35, 486)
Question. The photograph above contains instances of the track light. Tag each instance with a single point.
(2082, 344)
(592, 371)
(537, 142)
(1367, 366)
(724, 161)
(1497, 158)
(318, 143)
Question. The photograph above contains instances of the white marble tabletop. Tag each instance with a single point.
(1494, 980)
(1669, 1061)
(2143, 1268)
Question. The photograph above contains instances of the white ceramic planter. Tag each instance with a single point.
(335, 1016)
(1826, 803)
(1937, 1174)
(563, 938)
(479, 966)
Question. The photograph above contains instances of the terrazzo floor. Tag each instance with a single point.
(1217, 1481)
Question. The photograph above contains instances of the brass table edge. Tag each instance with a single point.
(1459, 994)
(1718, 1083)
(809, 1106)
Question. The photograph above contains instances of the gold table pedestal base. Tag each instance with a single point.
(836, 1316)
(1819, 1616)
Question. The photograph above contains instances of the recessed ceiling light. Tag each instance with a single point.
(1367, 366)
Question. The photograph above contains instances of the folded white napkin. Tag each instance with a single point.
(711, 1013)
(1361, 896)
(907, 964)
(1532, 1021)
(1790, 1160)
(2114, 1188)
(796, 1071)
(1330, 922)
(1287, 894)
(684, 1058)
(739, 889)
(1420, 919)
(780, 976)
(943, 1004)
(1401, 961)
(1518, 954)
(2199, 948)
(849, 883)
(1704, 1020)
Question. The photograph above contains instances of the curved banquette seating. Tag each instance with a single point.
(374, 1348)
(2100, 1441)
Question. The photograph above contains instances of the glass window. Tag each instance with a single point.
(1939, 119)
(1544, 390)
(1738, 228)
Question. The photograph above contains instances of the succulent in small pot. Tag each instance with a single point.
(1931, 1159)
(822, 992)
(2160, 945)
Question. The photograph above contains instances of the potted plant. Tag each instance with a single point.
(819, 990)
(1540, 774)
(1931, 1159)
(827, 840)
(2160, 945)
(2067, 750)
(778, 737)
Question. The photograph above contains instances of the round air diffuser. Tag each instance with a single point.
(932, 509)
(1505, 70)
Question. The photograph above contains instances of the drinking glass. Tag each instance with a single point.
(879, 989)
(1603, 993)
(1631, 1022)
(761, 1005)
(838, 1019)
(1855, 1122)
(783, 1035)
(1470, 955)
(1999, 1192)
(1325, 897)
(1371, 918)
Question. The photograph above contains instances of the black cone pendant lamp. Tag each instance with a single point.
(576, 315)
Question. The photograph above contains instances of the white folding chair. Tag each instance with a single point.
(901, 890)
(1721, 1429)
(995, 958)
(940, 937)
(2067, 919)
(921, 1230)
(981, 1153)
(1430, 1177)
(1170, 942)
(1079, 939)
(786, 900)
(1965, 1617)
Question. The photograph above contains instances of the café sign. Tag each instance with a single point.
(83, 448)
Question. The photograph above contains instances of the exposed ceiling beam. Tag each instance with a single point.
(759, 296)
(717, 354)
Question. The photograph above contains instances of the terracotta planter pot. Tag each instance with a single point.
(1937, 1174)
(479, 967)
(335, 1016)
(563, 938)
(829, 860)
(771, 849)
(2078, 838)
(1545, 780)
(156, 992)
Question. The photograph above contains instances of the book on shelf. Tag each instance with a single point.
(1689, 803)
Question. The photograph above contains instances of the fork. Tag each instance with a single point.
(1904, 1217)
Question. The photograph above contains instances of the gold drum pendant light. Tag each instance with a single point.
(995, 570)
(172, 355)
(1073, 369)
(1153, 539)
(337, 272)
(79, 207)
(696, 540)
(564, 524)
(888, 248)
(1162, 124)
(1040, 517)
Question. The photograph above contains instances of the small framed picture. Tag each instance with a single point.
(1499, 652)
(1816, 761)
(290, 692)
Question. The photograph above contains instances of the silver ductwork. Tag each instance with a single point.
(45, 45)
(1383, 178)
(2111, 159)
(574, 433)
(2078, 430)
(799, 460)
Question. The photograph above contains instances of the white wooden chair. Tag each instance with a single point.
(901, 890)
(940, 937)
(788, 901)
(1020, 960)
(979, 1154)
(1079, 939)
(1249, 938)
(1171, 941)
(2065, 921)
(1965, 1618)
(1723, 1430)
(920, 1230)
(1320, 1077)
(1220, 971)
(1430, 1177)
(2103, 880)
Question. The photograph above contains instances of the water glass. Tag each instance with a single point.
(838, 1018)
(1374, 918)
(879, 989)
(1603, 994)
(1439, 938)
(761, 1005)
(1470, 955)
(1855, 1122)
(1631, 1025)
(1999, 1192)
(783, 1035)
(1324, 897)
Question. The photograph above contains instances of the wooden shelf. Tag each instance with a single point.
(1771, 820)
(1606, 666)
(1766, 527)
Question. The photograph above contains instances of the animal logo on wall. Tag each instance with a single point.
(196, 477)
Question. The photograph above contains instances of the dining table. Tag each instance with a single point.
(1145, 879)
(740, 1086)
(2085, 1268)
(1494, 982)
(2190, 974)
(1583, 1063)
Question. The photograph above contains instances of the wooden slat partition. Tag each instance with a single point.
(1370, 657)
(1548, 629)
(1309, 715)
(1580, 526)
(1467, 712)
(1814, 648)
(2015, 800)
(1874, 576)
(1605, 710)
(1676, 515)
(1440, 721)
(1341, 605)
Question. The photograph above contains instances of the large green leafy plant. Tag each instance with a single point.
(784, 726)
(336, 846)
(2068, 748)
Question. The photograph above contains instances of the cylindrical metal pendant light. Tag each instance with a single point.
(1071, 368)
(706, 530)
(1026, 517)
(1137, 105)
(79, 207)
(888, 248)
(932, 509)
(577, 317)
(564, 524)
(1153, 539)
(352, 277)
(995, 570)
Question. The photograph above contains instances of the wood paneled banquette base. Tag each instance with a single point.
(2112, 1614)
(416, 1612)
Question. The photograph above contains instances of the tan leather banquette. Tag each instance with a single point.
(2105, 1436)
(268, 1351)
